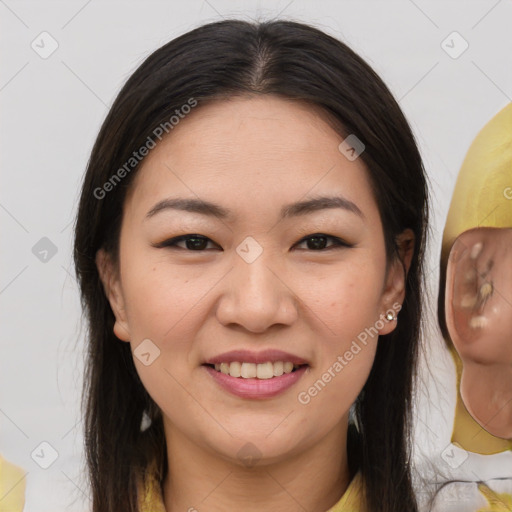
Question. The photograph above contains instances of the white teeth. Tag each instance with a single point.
(287, 367)
(235, 369)
(266, 370)
(248, 370)
(278, 368)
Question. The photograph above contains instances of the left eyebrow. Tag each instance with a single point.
(319, 203)
(291, 210)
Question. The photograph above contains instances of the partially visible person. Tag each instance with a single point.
(12, 487)
(475, 315)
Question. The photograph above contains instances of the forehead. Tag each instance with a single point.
(247, 149)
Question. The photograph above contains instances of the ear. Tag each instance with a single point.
(457, 251)
(109, 276)
(477, 308)
(393, 294)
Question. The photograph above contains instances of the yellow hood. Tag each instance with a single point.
(482, 198)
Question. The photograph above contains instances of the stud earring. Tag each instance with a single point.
(390, 316)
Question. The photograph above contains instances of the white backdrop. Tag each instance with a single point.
(64, 62)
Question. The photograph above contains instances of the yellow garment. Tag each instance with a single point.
(151, 498)
(497, 502)
(351, 499)
(481, 198)
(12, 487)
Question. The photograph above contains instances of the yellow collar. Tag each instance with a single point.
(151, 499)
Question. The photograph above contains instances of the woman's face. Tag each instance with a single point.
(254, 279)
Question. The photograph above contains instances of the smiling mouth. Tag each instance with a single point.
(263, 371)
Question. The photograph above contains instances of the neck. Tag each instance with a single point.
(313, 479)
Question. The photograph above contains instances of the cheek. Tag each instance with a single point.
(335, 383)
(346, 300)
(345, 312)
(162, 299)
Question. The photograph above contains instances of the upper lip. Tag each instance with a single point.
(247, 356)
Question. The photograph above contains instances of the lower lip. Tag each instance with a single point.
(256, 388)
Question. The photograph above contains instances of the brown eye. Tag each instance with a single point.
(192, 242)
(318, 242)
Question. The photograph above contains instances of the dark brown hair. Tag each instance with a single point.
(295, 61)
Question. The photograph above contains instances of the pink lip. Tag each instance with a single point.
(246, 356)
(256, 388)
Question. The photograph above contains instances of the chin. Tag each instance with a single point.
(257, 448)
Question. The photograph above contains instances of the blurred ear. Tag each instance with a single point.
(453, 267)
(394, 288)
(477, 295)
(109, 276)
(478, 300)
(463, 300)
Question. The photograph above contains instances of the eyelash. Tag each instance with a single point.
(171, 242)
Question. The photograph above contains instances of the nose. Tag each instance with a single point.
(256, 296)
